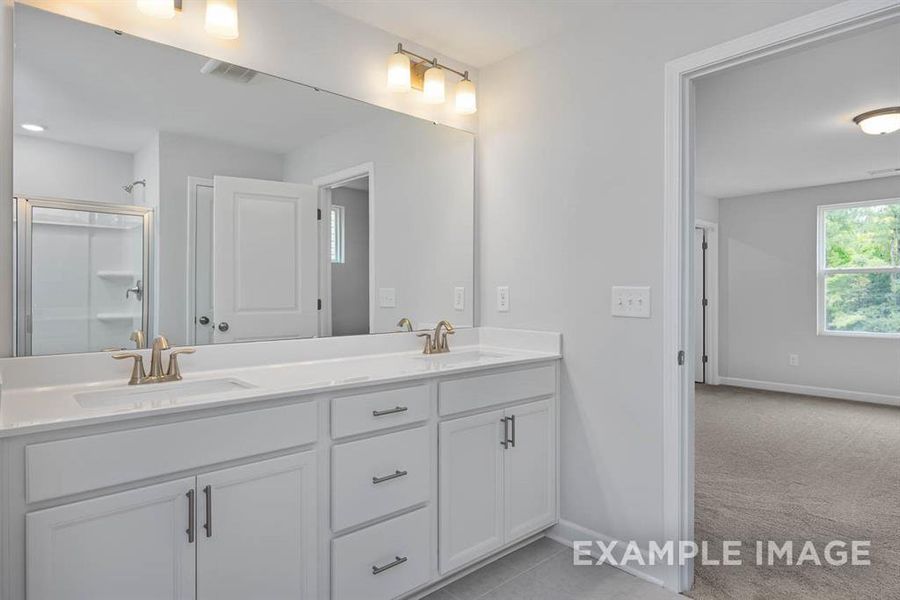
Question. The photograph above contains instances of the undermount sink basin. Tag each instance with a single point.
(159, 393)
(465, 357)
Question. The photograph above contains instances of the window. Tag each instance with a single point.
(859, 269)
(337, 234)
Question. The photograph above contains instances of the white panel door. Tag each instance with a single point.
(130, 545)
(265, 265)
(530, 469)
(471, 488)
(699, 308)
(256, 532)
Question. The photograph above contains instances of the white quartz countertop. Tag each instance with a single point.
(29, 409)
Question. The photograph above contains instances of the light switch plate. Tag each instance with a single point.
(503, 298)
(387, 297)
(459, 298)
(631, 302)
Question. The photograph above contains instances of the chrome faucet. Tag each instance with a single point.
(140, 377)
(436, 342)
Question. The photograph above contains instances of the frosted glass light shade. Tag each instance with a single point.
(434, 85)
(222, 19)
(465, 98)
(398, 79)
(879, 122)
(161, 9)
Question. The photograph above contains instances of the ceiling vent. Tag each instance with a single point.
(228, 71)
(885, 172)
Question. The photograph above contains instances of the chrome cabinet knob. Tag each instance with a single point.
(223, 326)
(204, 320)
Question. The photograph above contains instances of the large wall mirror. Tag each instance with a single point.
(159, 191)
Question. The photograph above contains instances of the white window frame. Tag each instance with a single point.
(822, 272)
(338, 218)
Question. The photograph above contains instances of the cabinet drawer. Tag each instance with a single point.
(362, 413)
(55, 469)
(470, 393)
(383, 561)
(375, 477)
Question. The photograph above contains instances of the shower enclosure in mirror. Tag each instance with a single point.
(83, 275)
(278, 210)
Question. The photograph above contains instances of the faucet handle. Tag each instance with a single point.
(173, 371)
(138, 373)
(429, 344)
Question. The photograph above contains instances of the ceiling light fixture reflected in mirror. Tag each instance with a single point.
(159, 9)
(428, 76)
(222, 19)
(880, 121)
(33, 127)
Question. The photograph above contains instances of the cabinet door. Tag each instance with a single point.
(530, 469)
(129, 545)
(256, 530)
(471, 488)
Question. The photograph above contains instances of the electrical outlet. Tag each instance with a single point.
(631, 302)
(387, 297)
(503, 298)
(459, 298)
(794, 360)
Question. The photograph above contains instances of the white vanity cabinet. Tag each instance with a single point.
(498, 470)
(237, 533)
(369, 492)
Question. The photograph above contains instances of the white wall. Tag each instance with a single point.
(570, 203)
(48, 168)
(767, 291)
(180, 157)
(422, 199)
(350, 279)
(706, 208)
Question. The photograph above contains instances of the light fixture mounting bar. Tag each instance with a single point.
(178, 5)
(432, 62)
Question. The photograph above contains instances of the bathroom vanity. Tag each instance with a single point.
(343, 468)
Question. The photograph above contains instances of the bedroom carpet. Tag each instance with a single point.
(786, 467)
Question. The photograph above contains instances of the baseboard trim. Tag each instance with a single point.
(566, 532)
(809, 390)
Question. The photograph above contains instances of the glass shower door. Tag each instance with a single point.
(83, 275)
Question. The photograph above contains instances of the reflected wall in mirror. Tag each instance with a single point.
(172, 193)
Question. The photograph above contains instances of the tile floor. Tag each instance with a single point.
(543, 570)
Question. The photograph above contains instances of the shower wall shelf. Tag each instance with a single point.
(107, 317)
(130, 275)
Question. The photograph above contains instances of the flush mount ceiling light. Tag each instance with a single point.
(880, 121)
(221, 15)
(33, 127)
(428, 76)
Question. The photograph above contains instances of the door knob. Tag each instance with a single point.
(223, 326)
(204, 320)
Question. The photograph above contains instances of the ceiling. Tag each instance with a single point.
(476, 33)
(786, 122)
(89, 86)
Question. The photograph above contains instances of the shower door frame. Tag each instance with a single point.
(23, 263)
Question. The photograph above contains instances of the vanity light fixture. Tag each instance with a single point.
(160, 9)
(33, 127)
(221, 15)
(428, 76)
(222, 19)
(879, 121)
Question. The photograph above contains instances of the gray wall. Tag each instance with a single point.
(350, 280)
(767, 288)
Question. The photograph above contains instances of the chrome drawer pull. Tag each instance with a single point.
(393, 475)
(400, 560)
(389, 411)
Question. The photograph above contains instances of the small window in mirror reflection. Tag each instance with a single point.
(337, 234)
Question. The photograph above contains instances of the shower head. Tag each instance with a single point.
(130, 187)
